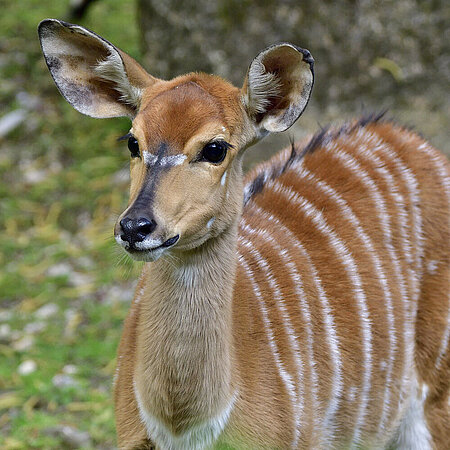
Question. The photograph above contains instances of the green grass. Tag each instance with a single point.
(63, 181)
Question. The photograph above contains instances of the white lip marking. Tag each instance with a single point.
(210, 222)
(172, 160)
(121, 242)
(224, 178)
(148, 244)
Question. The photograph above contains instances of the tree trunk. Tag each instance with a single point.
(369, 55)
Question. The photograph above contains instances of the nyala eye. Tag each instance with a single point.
(133, 145)
(214, 152)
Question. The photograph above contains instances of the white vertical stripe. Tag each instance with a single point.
(284, 375)
(445, 340)
(351, 268)
(353, 165)
(371, 144)
(333, 341)
(366, 241)
(412, 185)
(445, 181)
(366, 151)
(298, 404)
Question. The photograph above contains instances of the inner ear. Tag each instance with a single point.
(278, 86)
(94, 76)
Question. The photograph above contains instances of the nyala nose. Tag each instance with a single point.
(136, 230)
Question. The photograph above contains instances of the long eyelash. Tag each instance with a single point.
(227, 145)
(126, 136)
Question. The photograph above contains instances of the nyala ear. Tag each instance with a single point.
(278, 86)
(94, 76)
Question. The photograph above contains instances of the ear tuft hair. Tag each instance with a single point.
(277, 87)
(93, 75)
(265, 85)
(112, 69)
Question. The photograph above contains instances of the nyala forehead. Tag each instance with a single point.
(177, 114)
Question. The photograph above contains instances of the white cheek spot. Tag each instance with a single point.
(224, 178)
(432, 266)
(224, 129)
(210, 222)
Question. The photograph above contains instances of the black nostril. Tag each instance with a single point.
(145, 226)
(136, 230)
(124, 223)
(127, 226)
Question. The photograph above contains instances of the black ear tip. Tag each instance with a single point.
(66, 24)
(307, 57)
(43, 25)
(306, 54)
(54, 23)
(46, 26)
(47, 22)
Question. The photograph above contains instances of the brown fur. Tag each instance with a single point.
(313, 316)
(262, 413)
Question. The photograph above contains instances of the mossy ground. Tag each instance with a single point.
(63, 180)
(64, 287)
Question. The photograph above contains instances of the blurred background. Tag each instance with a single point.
(64, 287)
